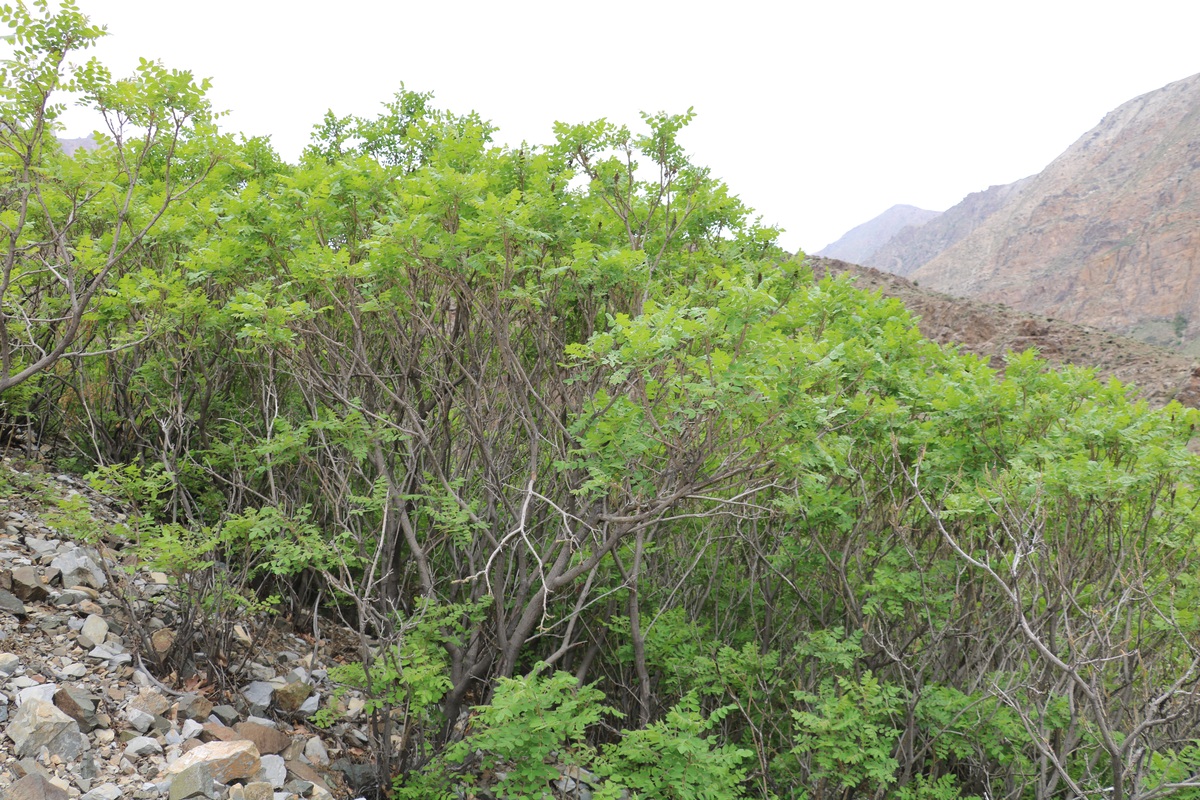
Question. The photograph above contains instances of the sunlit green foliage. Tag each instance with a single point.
(605, 479)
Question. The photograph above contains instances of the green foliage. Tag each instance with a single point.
(672, 758)
(534, 725)
(571, 404)
(849, 730)
(409, 676)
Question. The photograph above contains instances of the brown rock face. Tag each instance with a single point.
(34, 787)
(915, 246)
(1107, 235)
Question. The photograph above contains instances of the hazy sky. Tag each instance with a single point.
(818, 114)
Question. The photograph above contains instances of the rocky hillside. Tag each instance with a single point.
(992, 329)
(914, 246)
(860, 243)
(1108, 235)
(82, 716)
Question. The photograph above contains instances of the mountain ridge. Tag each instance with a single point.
(860, 242)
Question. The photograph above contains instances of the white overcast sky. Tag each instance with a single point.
(820, 115)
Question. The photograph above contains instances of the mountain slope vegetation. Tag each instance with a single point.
(614, 491)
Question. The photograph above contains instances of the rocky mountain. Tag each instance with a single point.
(914, 246)
(1107, 235)
(858, 244)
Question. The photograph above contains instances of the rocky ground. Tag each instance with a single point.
(80, 715)
(991, 330)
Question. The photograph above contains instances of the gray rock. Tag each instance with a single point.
(195, 781)
(39, 724)
(310, 705)
(272, 771)
(43, 547)
(73, 670)
(95, 630)
(227, 715)
(8, 664)
(78, 705)
(79, 569)
(108, 791)
(43, 691)
(11, 603)
(110, 653)
(258, 694)
(141, 721)
(315, 752)
(141, 746)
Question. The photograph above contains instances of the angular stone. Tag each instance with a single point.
(258, 790)
(30, 766)
(141, 746)
(79, 569)
(162, 641)
(190, 729)
(267, 740)
(273, 771)
(27, 585)
(315, 752)
(310, 706)
(42, 691)
(12, 604)
(289, 698)
(39, 724)
(226, 714)
(195, 706)
(229, 761)
(258, 694)
(95, 630)
(216, 732)
(302, 771)
(34, 786)
(9, 663)
(73, 670)
(195, 780)
(140, 720)
(78, 705)
(151, 701)
(42, 547)
(107, 791)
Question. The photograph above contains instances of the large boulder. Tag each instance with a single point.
(39, 724)
(227, 761)
(79, 568)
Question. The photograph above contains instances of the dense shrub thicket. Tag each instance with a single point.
(603, 478)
